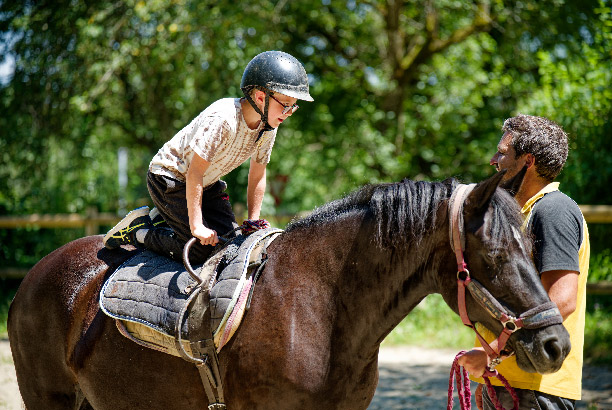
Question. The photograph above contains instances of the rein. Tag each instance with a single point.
(540, 316)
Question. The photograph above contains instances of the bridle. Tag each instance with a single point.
(544, 315)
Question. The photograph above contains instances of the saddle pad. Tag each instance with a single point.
(149, 289)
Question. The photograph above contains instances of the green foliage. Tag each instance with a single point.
(402, 90)
(600, 266)
(432, 324)
(598, 329)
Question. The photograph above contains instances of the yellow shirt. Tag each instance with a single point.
(567, 382)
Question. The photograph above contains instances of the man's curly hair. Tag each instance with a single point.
(542, 138)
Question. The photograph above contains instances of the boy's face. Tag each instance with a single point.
(277, 104)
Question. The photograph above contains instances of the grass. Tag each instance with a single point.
(598, 330)
(432, 324)
(8, 287)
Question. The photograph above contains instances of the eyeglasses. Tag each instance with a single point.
(286, 108)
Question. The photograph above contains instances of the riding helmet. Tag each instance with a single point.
(279, 72)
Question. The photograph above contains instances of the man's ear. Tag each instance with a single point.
(529, 160)
(514, 184)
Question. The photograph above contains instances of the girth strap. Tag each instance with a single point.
(207, 361)
(197, 308)
(200, 335)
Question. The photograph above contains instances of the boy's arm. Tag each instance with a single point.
(256, 189)
(195, 173)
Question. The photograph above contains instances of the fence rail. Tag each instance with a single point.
(92, 219)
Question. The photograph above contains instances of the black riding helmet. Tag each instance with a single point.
(274, 71)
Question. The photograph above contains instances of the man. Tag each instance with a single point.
(184, 177)
(561, 255)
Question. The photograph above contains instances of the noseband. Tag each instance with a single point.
(544, 315)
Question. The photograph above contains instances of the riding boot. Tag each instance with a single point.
(165, 241)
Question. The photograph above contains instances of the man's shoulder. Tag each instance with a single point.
(556, 202)
(559, 209)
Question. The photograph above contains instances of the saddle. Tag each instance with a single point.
(188, 312)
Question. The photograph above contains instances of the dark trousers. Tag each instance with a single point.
(170, 197)
(528, 400)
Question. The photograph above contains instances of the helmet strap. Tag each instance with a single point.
(264, 114)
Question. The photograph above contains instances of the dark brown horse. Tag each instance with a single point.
(337, 282)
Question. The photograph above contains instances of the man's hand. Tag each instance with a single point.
(475, 361)
(205, 235)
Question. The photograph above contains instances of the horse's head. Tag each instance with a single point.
(498, 256)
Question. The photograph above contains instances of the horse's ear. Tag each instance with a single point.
(514, 184)
(482, 193)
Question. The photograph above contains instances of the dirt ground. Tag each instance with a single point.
(410, 378)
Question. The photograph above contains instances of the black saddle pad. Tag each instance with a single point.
(148, 289)
(151, 289)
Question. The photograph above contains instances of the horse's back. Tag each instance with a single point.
(53, 308)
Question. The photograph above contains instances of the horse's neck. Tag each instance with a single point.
(390, 283)
(370, 288)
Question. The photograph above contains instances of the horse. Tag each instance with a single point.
(336, 283)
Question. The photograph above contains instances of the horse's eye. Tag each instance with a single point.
(497, 257)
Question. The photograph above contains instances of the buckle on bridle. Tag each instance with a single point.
(511, 324)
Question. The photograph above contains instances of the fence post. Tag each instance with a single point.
(92, 227)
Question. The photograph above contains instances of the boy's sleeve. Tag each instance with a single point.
(208, 137)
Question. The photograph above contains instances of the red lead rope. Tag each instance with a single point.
(460, 375)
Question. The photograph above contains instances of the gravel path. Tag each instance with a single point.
(410, 378)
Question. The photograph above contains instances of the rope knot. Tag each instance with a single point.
(251, 225)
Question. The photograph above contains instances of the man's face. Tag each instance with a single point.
(505, 158)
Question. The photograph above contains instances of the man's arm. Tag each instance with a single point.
(562, 288)
(256, 188)
(194, 189)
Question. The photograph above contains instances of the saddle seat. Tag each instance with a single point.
(148, 294)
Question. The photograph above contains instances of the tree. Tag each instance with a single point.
(402, 89)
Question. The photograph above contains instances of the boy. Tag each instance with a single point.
(184, 177)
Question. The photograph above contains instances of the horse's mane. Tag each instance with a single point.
(404, 212)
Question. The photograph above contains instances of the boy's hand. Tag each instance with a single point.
(205, 235)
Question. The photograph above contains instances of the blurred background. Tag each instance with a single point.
(89, 91)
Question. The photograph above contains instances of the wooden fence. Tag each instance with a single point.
(92, 221)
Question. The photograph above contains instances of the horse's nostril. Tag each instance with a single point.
(553, 349)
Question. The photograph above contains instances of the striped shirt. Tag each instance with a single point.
(219, 135)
